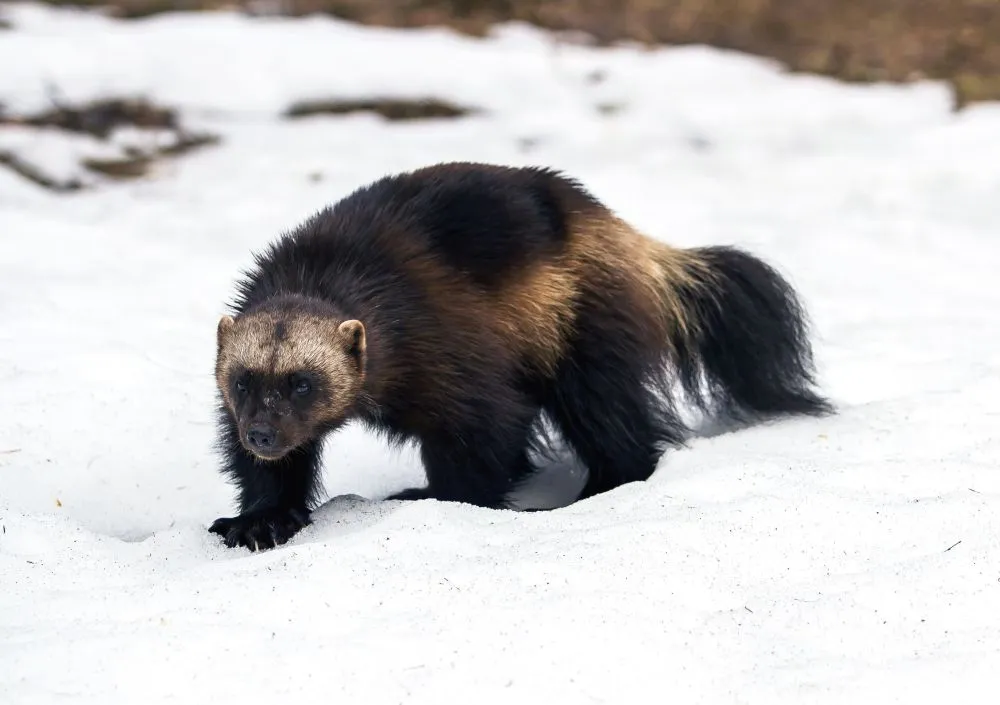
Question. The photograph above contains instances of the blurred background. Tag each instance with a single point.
(858, 41)
(855, 40)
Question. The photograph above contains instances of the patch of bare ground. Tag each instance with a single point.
(957, 41)
(100, 119)
(394, 109)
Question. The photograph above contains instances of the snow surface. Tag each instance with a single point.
(852, 559)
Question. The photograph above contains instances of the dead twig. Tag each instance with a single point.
(35, 175)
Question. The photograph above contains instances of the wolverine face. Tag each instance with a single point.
(287, 377)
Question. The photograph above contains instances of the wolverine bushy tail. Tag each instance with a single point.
(745, 352)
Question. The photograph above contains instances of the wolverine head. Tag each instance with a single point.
(288, 375)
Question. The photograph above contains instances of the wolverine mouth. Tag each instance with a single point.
(270, 455)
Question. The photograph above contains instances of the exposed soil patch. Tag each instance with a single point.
(394, 109)
(100, 119)
(137, 162)
(853, 40)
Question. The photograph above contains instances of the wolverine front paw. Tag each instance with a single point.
(262, 529)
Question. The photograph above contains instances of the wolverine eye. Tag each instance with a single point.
(302, 386)
(241, 386)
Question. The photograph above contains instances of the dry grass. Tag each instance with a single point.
(99, 119)
(394, 109)
(137, 162)
(854, 40)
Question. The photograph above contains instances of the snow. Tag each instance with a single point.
(849, 559)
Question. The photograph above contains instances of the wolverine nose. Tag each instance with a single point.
(261, 436)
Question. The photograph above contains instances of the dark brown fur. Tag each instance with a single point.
(456, 304)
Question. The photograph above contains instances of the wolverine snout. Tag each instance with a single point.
(262, 437)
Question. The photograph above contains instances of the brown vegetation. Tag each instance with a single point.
(99, 119)
(394, 109)
(137, 162)
(854, 40)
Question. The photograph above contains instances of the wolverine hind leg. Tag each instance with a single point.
(607, 402)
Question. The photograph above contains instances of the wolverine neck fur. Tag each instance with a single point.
(289, 369)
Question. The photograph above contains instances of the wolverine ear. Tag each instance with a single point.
(226, 324)
(352, 336)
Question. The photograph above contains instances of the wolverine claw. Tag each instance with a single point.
(262, 529)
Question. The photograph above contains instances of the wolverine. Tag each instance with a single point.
(455, 305)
